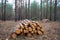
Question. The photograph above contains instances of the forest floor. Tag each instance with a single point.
(52, 31)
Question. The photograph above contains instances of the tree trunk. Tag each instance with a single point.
(28, 9)
(15, 10)
(20, 10)
(2, 10)
(41, 10)
(5, 10)
(19, 13)
(55, 10)
(46, 9)
(50, 9)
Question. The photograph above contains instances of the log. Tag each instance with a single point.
(38, 28)
(22, 33)
(21, 30)
(27, 28)
(13, 35)
(23, 22)
(42, 30)
(38, 24)
(26, 31)
(32, 32)
(29, 34)
(30, 29)
(39, 32)
(27, 20)
(21, 26)
(18, 31)
(35, 31)
(18, 26)
(34, 24)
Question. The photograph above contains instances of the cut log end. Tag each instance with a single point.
(29, 34)
(39, 33)
(29, 28)
(13, 35)
(18, 31)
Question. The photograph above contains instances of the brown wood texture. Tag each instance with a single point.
(30, 28)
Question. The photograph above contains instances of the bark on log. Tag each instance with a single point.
(29, 28)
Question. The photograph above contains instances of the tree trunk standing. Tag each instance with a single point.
(2, 10)
(55, 10)
(41, 10)
(46, 9)
(5, 10)
(15, 10)
(20, 13)
(28, 9)
(20, 10)
(50, 9)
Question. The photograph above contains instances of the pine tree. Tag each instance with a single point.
(41, 10)
(28, 9)
(46, 9)
(15, 10)
(2, 10)
(50, 9)
(55, 10)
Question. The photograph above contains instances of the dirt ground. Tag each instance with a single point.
(52, 31)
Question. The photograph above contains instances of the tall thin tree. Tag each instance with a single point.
(20, 10)
(15, 10)
(55, 10)
(41, 10)
(46, 9)
(28, 9)
(5, 10)
(50, 9)
(2, 9)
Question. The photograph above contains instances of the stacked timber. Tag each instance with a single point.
(28, 28)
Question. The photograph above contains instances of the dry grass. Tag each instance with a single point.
(52, 31)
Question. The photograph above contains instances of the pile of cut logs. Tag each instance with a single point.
(28, 28)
